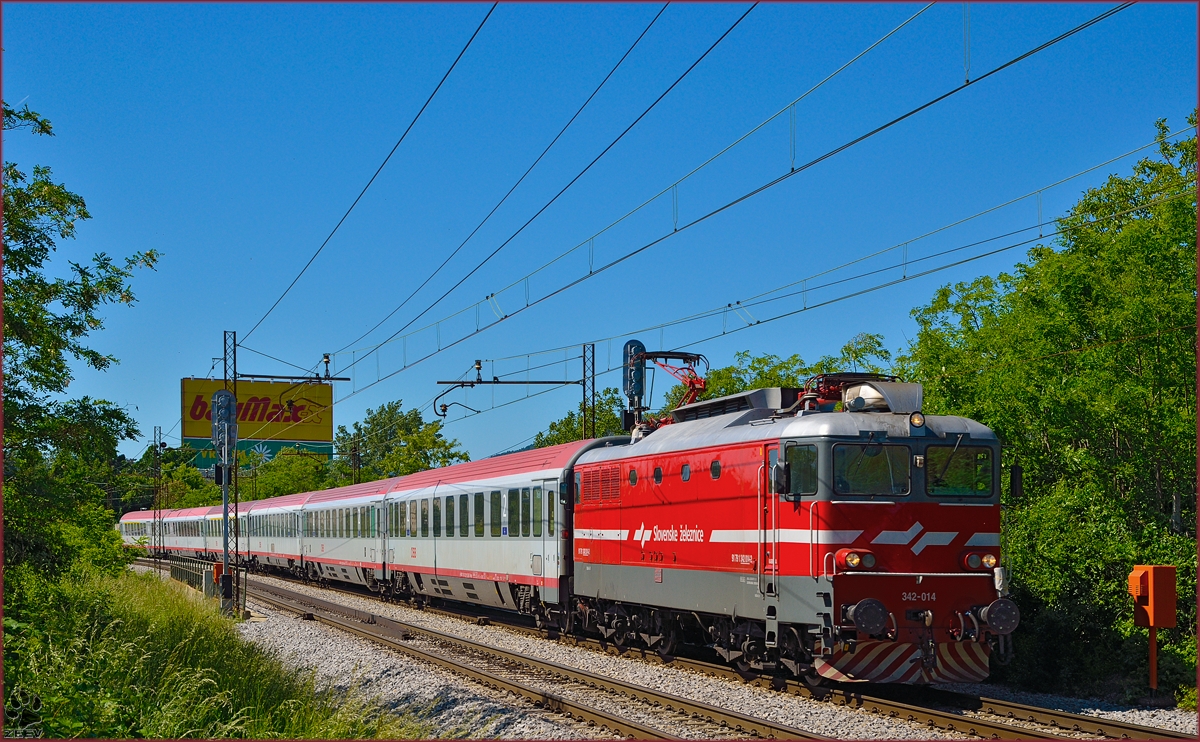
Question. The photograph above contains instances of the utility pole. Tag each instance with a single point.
(355, 463)
(156, 539)
(231, 376)
(588, 423)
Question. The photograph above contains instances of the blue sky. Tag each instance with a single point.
(233, 137)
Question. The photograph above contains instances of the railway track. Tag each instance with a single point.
(591, 698)
(979, 716)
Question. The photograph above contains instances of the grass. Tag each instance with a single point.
(132, 656)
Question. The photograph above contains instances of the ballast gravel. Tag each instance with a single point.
(1164, 718)
(454, 706)
(813, 716)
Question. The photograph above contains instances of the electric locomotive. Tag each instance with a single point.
(833, 532)
(861, 544)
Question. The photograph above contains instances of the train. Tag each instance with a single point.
(832, 532)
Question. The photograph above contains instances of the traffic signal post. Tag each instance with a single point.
(224, 437)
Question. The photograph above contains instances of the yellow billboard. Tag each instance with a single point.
(267, 410)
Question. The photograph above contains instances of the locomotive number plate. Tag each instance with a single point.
(919, 597)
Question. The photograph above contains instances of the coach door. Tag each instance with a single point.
(545, 512)
(768, 540)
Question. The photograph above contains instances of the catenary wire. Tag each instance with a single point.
(726, 149)
(581, 173)
(752, 300)
(376, 174)
(694, 170)
(854, 294)
(701, 165)
(514, 186)
(770, 184)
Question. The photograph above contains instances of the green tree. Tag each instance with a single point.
(608, 408)
(391, 442)
(60, 453)
(290, 471)
(1083, 361)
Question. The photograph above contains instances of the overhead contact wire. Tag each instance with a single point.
(376, 174)
(514, 186)
(617, 261)
(573, 180)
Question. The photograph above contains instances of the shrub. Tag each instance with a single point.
(135, 657)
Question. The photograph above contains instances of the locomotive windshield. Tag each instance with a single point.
(963, 471)
(870, 469)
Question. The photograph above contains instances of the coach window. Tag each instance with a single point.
(437, 516)
(802, 470)
(478, 520)
(526, 512)
(355, 525)
(412, 518)
(464, 515)
(425, 518)
(514, 512)
(870, 469)
(449, 515)
(658, 475)
(714, 469)
(685, 472)
(496, 510)
(632, 477)
(962, 471)
(537, 511)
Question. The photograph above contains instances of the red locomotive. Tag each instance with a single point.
(830, 532)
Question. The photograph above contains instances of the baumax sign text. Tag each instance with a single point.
(266, 410)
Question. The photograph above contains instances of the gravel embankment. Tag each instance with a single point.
(1171, 718)
(456, 707)
(813, 716)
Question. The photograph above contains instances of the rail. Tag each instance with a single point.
(386, 630)
(914, 704)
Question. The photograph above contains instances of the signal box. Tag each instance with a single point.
(1153, 591)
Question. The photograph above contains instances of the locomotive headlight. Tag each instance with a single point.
(868, 560)
(989, 560)
(973, 561)
(916, 420)
(853, 560)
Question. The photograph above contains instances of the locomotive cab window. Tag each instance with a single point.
(802, 471)
(958, 471)
(871, 469)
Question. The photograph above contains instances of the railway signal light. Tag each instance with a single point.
(224, 420)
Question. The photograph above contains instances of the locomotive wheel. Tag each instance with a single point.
(811, 679)
(666, 646)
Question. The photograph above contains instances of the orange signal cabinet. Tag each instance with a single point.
(1153, 591)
